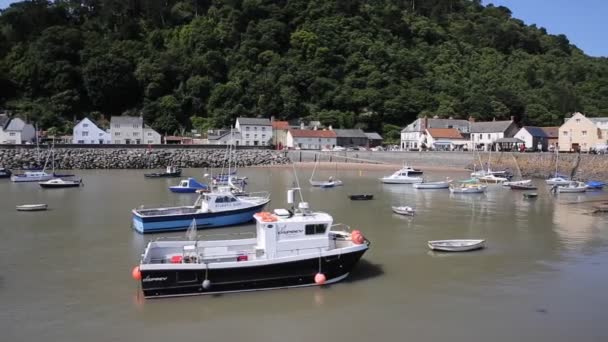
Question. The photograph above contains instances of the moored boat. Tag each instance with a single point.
(523, 187)
(559, 180)
(518, 182)
(294, 248)
(404, 210)
(361, 197)
(456, 245)
(171, 171)
(572, 187)
(530, 195)
(218, 208)
(58, 183)
(433, 185)
(32, 207)
(189, 185)
(468, 188)
(492, 178)
(401, 176)
(5, 173)
(32, 176)
(595, 185)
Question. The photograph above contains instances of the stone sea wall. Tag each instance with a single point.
(136, 158)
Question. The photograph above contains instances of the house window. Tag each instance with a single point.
(565, 133)
(247, 136)
(81, 141)
(312, 229)
(100, 134)
(85, 125)
(116, 125)
(247, 128)
(255, 128)
(578, 120)
(255, 136)
(149, 134)
(263, 128)
(135, 134)
(489, 137)
(584, 133)
(135, 126)
(85, 134)
(117, 134)
(12, 134)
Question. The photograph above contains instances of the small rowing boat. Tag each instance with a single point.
(32, 207)
(361, 197)
(456, 245)
(404, 210)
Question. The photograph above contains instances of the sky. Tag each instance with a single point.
(582, 21)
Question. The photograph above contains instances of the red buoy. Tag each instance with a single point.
(136, 273)
(358, 239)
(320, 278)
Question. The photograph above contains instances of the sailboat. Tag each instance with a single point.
(558, 179)
(329, 183)
(40, 176)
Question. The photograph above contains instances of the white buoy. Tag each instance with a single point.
(206, 284)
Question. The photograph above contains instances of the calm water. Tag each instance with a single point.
(65, 273)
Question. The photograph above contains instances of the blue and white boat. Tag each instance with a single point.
(218, 208)
(595, 185)
(189, 185)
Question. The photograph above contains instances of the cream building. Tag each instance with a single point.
(581, 133)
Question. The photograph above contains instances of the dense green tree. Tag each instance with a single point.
(375, 64)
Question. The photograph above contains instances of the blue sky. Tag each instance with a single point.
(583, 21)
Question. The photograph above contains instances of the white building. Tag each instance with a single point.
(224, 137)
(535, 138)
(413, 135)
(15, 131)
(445, 139)
(132, 130)
(309, 139)
(87, 132)
(485, 134)
(254, 131)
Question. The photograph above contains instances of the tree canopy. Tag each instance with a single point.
(374, 64)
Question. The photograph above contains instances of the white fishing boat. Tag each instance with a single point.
(572, 187)
(32, 207)
(492, 178)
(468, 188)
(558, 180)
(433, 185)
(519, 182)
(404, 210)
(401, 177)
(456, 245)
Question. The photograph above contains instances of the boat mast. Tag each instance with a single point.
(312, 176)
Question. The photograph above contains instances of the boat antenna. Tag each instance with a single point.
(295, 173)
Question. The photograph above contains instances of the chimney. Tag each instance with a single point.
(494, 119)
(451, 117)
(425, 123)
(302, 125)
(436, 117)
(471, 119)
(512, 118)
(272, 118)
(330, 128)
(315, 128)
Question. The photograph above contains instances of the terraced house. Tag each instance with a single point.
(582, 133)
(132, 130)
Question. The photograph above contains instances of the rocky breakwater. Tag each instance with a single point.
(133, 158)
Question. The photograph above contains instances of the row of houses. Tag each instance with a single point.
(15, 130)
(123, 130)
(456, 134)
(282, 134)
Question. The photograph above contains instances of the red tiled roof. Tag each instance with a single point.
(311, 133)
(450, 133)
(280, 125)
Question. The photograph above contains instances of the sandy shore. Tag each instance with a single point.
(359, 166)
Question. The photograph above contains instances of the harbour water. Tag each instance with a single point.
(65, 273)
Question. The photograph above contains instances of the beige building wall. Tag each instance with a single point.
(578, 133)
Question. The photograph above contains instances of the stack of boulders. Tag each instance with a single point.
(126, 158)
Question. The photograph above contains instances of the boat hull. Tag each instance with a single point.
(59, 186)
(180, 222)
(400, 181)
(436, 185)
(182, 190)
(164, 174)
(165, 283)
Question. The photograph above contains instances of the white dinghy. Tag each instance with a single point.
(433, 185)
(404, 210)
(32, 207)
(518, 182)
(456, 245)
(572, 187)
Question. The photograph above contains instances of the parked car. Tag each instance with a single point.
(339, 148)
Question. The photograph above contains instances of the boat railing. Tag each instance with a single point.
(261, 194)
(340, 226)
(209, 237)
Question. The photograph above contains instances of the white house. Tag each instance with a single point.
(445, 139)
(224, 137)
(132, 130)
(15, 131)
(310, 139)
(413, 135)
(87, 132)
(485, 134)
(254, 131)
(535, 138)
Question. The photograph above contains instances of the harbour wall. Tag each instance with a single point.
(539, 164)
(583, 166)
(136, 158)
